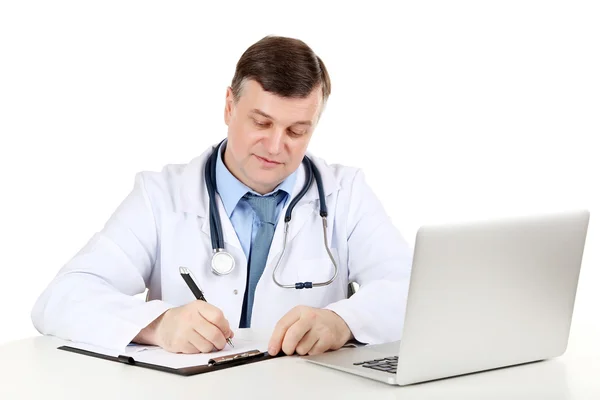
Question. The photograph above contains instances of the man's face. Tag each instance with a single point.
(268, 135)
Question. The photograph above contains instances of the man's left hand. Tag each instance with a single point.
(308, 330)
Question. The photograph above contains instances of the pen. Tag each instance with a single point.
(185, 274)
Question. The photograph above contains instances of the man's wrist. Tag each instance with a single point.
(344, 334)
(148, 334)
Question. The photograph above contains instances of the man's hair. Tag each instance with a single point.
(283, 66)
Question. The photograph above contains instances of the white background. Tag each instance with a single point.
(454, 110)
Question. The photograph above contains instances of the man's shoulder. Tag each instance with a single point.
(174, 185)
(172, 173)
(343, 174)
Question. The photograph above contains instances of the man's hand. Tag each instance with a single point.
(197, 327)
(307, 330)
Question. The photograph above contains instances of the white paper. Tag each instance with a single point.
(130, 350)
(158, 356)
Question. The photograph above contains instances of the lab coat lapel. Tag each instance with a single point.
(306, 209)
(229, 235)
(301, 214)
(195, 200)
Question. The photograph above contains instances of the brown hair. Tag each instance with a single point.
(283, 66)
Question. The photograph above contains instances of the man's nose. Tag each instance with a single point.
(275, 141)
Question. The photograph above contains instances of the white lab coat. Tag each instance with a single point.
(163, 224)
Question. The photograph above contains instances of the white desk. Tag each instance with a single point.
(33, 369)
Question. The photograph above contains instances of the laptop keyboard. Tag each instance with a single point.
(388, 364)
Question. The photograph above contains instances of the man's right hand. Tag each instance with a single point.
(197, 327)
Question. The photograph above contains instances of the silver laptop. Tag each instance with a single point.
(482, 295)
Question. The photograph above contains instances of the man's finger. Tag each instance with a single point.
(321, 346)
(200, 344)
(209, 332)
(280, 329)
(307, 342)
(215, 316)
(187, 348)
(294, 335)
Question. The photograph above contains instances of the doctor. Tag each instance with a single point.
(278, 92)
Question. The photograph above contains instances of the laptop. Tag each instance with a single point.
(482, 295)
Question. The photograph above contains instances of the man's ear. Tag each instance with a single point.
(229, 104)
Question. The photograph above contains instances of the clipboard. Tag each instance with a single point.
(214, 364)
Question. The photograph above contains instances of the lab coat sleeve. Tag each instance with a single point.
(379, 260)
(92, 298)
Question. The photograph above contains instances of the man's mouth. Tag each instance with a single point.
(268, 161)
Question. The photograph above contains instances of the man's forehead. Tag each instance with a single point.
(259, 101)
(275, 118)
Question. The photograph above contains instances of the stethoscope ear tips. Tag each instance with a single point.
(304, 285)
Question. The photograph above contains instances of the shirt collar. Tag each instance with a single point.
(232, 190)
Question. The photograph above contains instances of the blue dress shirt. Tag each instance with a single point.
(242, 216)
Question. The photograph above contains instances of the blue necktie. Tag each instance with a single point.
(265, 208)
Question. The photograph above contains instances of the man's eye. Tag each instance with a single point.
(296, 133)
(260, 124)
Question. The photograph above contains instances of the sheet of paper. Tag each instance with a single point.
(130, 350)
(157, 356)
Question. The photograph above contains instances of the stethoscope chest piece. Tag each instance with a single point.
(222, 262)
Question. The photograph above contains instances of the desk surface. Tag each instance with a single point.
(33, 368)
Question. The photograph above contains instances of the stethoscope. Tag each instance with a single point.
(222, 263)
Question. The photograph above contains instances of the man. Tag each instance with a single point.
(278, 93)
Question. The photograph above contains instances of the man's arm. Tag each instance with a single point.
(92, 299)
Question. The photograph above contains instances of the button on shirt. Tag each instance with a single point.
(243, 218)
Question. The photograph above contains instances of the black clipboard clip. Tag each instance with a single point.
(235, 357)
